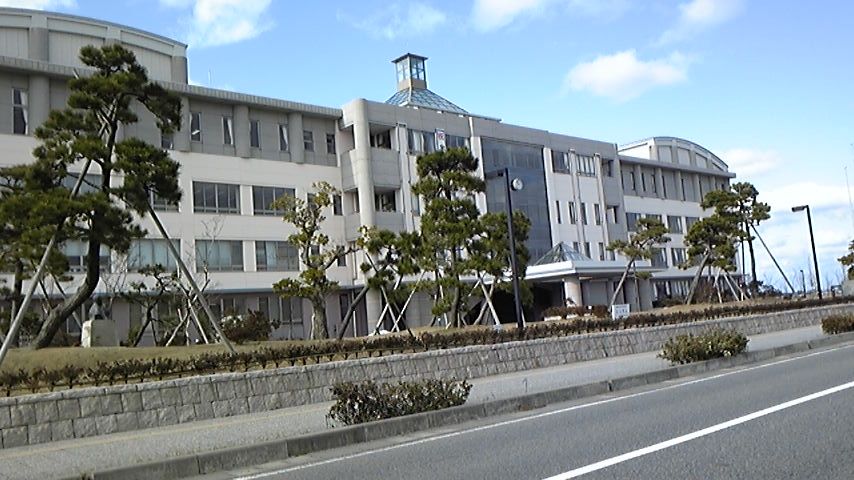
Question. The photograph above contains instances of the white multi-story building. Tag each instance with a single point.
(238, 152)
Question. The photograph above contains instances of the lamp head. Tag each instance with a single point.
(800, 208)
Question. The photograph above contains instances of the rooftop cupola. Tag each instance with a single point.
(410, 72)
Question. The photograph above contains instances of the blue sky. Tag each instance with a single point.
(764, 84)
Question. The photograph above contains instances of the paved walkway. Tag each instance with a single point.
(71, 458)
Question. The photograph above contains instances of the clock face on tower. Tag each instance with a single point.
(517, 184)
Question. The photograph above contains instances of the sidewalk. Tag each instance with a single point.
(73, 458)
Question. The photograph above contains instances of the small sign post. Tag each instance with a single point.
(619, 311)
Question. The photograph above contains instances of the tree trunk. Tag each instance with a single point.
(620, 285)
(754, 284)
(318, 319)
(148, 318)
(64, 310)
(693, 289)
(454, 312)
(17, 289)
(351, 310)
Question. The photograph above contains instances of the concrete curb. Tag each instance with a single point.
(248, 455)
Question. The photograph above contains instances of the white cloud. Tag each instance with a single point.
(816, 195)
(39, 4)
(220, 22)
(395, 21)
(747, 162)
(622, 76)
(697, 16)
(488, 15)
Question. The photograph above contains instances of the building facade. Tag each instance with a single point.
(238, 152)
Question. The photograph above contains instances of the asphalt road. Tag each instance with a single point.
(790, 418)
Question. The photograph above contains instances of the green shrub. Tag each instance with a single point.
(253, 327)
(365, 402)
(842, 323)
(713, 344)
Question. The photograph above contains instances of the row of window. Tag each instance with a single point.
(586, 249)
(211, 255)
(649, 182)
(611, 211)
(677, 257)
(254, 135)
(674, 224)
(225, 198)
(584, 164)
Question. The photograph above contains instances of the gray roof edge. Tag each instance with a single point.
(52, 69)
(30, 11)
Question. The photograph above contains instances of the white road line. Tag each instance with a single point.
(699, 433)
(528, 418)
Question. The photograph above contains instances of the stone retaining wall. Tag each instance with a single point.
(85, 412)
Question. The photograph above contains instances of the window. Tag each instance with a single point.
(573, 217)
(557, 212)
(421, 142)
(276, 256)
(263, 198)
(216, 197)
(456, 141)
(586, 165)
(608, 167)
(611, 255)
(342, 261)
(20, 113)
(314, 250)
(381, 140)
(587, 249)
(167, 141)
(337, 207)
(560, 162)
(308, 140)
(385, 202)
(601, 251)
(255, 134)
(632, 221)
(416, 204)
(633, 184)
(219, 255)
(684, 195)
(674, 224)
(283, 137)
(148, 252)
(161, 204)
(613, 213)
(597, 214)
(330, 143)
(583, 207)
(75, 251)
(91, 182)
(653, 183)
(286, 311)
(227, 131)
(689, 221)
(678, 255)
(659, 259)
(576, 247)
(196, 126)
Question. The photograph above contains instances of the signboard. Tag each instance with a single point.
(619, 311)
(441, 144)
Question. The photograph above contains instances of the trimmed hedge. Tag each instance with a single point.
(23, 381)
(365, 402)
(833, 324)
(695, 348)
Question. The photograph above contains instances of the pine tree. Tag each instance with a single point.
(649, 233)
(99, 105)
(751, 211)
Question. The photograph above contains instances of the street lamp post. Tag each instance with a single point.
(812, 242)
(509, 186)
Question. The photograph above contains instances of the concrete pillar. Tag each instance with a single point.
(695, 177)
(241, 130)
(181, 138)
(659, 180)
(645, 293)
(639, 182)
(38, 44)
(572, 291)
(680, 193)
(295, 141)
(362, 171)
(39, 99)
(179, 70)
(630, 295)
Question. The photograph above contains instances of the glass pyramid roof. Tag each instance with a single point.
(561, 253)
(423, 98)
